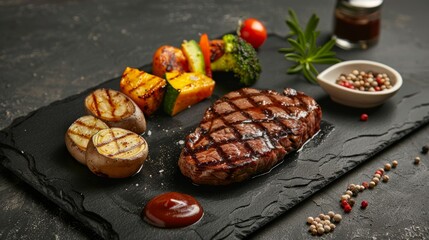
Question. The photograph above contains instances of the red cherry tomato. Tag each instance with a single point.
(253, 32)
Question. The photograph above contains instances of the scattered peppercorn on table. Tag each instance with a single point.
(52, 50)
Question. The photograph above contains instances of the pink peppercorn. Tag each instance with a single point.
(344, 203)
(364, 204)
(346, 84)
(379, 172)
(364, 117)
(378, 79)
(347, 208)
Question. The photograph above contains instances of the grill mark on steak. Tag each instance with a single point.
(274, 117)
(236, 133)
(286, 129)
(218, 144)
(268, 115)
(237, 108)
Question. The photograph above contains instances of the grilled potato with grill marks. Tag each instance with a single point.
(116, 110)
(116, 153)
(79, 133)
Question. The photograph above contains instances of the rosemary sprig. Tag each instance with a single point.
(304, 50)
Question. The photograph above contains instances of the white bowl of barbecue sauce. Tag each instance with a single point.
(360, 83)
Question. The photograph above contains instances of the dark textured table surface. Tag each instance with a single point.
(50, 50)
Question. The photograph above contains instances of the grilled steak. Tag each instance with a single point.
(247, 132)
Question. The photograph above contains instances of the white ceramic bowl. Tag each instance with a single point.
(356, 98)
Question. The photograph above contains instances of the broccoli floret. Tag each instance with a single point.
(240, 58)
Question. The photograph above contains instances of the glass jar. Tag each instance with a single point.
(357, 23)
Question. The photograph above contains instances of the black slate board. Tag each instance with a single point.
(33, 149)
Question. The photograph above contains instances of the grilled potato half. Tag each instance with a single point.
(79, 133)
(145, 89)
(116, 153)
(116, 110)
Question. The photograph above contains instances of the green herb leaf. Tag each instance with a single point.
(303, 47)
(293, 57)
(286, 50)
(311, 26)
(296, 46)
(295, 69)
(293, 19)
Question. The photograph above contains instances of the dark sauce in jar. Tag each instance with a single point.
(357, 23)
(172, 210)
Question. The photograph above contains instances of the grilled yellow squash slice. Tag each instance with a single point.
(145, 89)
(186, 89)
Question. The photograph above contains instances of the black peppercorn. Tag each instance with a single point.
(352, 202)
(425, 149)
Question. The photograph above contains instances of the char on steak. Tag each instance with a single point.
(247, 132)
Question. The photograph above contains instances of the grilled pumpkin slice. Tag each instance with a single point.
(145, 89)
(186, 89)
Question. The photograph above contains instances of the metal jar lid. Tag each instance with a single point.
(360, 6)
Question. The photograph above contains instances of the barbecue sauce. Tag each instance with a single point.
(172, 210)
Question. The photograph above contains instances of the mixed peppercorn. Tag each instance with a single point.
(365, 81)
(347, 201)
(326, 223)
